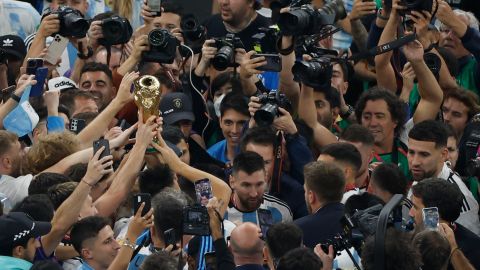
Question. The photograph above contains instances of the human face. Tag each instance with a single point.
(338, 79)
(233, 12)
(455, 113)
(167, 20)
(225, 89)
(12, 160)
(324, 110)
(248, 189)
(231, 124)
(266, 152)
(98, 83)
(366, 152)
(85, 105)
(185, 126)
(28, 253)
(183, 146)
(115, 57)
(452, 151)
(88, 208)
(416, 211)
(377, 118)
(80, 5)
(424, 159)
(104, 248)
(450, 41)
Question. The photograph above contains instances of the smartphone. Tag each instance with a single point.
(169, 238)
(98, 144)
(430, 218)
(7, 92)
(210, 260)
(274, 62)
(265, 220)
(203, 190)
(140, 198)
(155, 6)
(77, 124)
(33, 64)
(40, 76)
(56, 48)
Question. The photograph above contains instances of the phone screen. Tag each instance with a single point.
(203, 190)
(155, 6)
(430, 218)
(265, 220)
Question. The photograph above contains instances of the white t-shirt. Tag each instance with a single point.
(16, 189)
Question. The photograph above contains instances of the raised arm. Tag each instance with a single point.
(287, 84)
(68, 212)
(24, 82)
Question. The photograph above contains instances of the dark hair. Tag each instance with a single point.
(168, 207)
(59, 193)
(283, 237)
(468, 98)
(222, 79)
(248, 162)
(331, 95)
(361, 202)
(173, 134)
(43, 181)
(85, 229)
(95, 66)
(451, 132)
(104, 15)
(236, 102)
(326, 180)
(38, 206)
(430, 131)
(160, 260)
(358, 134)
(434, 248)
(46, 265)
(395, 105)
(258, 135)
(389, 178)
(300, 258)
(172, 7)
(87, 116)
(436, 192)
(68, 97)
(343, 153)
(76, 172)
(399, 252)
(153, 180)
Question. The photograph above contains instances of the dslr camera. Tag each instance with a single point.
(269, 109)
(72, 22)
(196, 220)
(306, 20)
(194, 32)
(316, 73)
(416, 5)
(163, 47)
(116, 30)
(225, 56)
(473, 168)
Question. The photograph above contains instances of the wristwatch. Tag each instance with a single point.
(15, 97)
(347, 113)
(380, 16)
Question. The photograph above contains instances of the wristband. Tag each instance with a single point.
(127, 243)
(380, 16)
(90, 185)
(15, 97)
(347, 113)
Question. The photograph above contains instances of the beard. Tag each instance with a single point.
(250, 205)
(424, 175)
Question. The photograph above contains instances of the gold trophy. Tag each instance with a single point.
(147, 95)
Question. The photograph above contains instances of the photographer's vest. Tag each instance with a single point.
(397, 156)
(466, 76)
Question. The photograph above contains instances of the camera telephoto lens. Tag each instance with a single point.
(224, 58)
(157, 38)
(76, 24)
(295, 21)
(266, 114)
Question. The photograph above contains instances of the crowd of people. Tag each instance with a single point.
(320, 134)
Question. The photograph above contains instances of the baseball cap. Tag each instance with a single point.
(18, 227)
(176, 107)
(13, 45)
(61, 83)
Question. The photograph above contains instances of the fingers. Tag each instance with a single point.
(139, 210)
(98, 153)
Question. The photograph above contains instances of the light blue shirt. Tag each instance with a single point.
(18, 18)
(219, 151)
(342, 39)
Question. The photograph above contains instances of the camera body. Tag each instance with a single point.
(225, 56)
(416, 5)
(265, 41)
(72, 22)
(163, 47)
(116, 30)
(196, 220)
(194, 32)
(473, 167)
(269, 109)
(306, 20)
(316, 73)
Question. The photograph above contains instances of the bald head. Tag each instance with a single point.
(247, 247)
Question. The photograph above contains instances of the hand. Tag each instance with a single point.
(49, 26)
(96, 168)
(147, 14)
(95, 32)
(239, 55)
(52, 100)
(327, 259)
(254, 105)
(208, 51)
(445, 13)
(140, 45)
(123, 95)
(23, 82)
(408, 75)
(285, 122)
(249, 65)
(128, 48)
(169, 157)
(421, 21)
(138, 223)
(413, 51)
(113, 133)
(146, 132)
(177, 32)
(447, 232)
(372, 166)
(396, 7)
(123, 138)
(361, 9)
(213, 208)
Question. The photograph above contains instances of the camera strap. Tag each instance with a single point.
(384, 48)
(277, 165)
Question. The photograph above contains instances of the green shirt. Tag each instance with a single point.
(466, 77)
(399, 155)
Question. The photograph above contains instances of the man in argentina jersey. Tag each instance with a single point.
(427, 153)
(248, 181)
